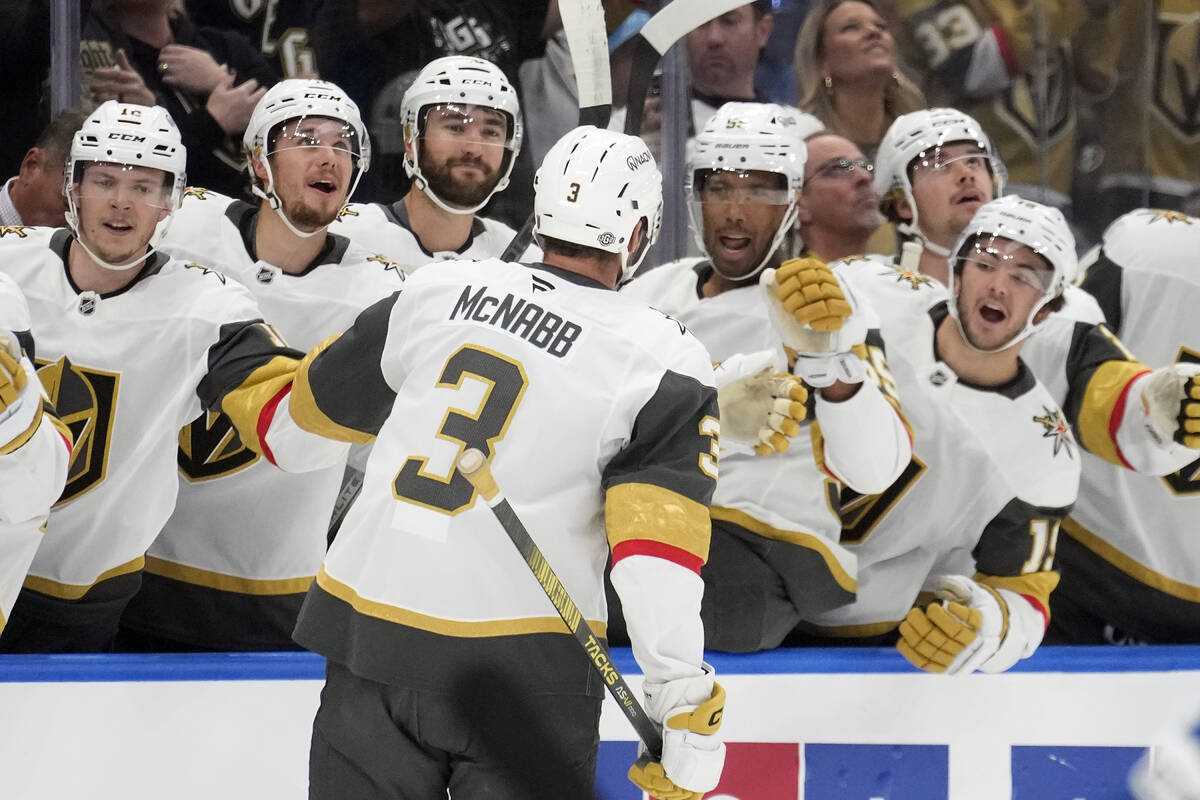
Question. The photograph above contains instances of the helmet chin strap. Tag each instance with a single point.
(1024, 334)
(276, 204)
(73, 223)
(914, 231)
(785, 224)
(421, 182)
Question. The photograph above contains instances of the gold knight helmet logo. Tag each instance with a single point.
(86, 401)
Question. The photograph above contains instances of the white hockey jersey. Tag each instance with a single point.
(126, 371)
(35, 449)
(599, 416)
(240, 525)
(386, 229)
(788, 499)
(1130, 554)
(994, 470)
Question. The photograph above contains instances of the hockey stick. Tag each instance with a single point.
(651, 43)
(474, 467)
(583, 23)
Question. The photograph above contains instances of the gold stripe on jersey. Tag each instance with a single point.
(1129, 566)
(644, 512)
(1104, 390)
(862, 630)
(308, 415)
(806, 540)
(244, 404)
(1037, 585)
(72, 591)
(226, 583)
(448, 627)
(62, 429)
(24, 436)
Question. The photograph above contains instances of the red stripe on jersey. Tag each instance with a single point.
(645, 547)
(1041, 609)
(1118, 413)
(266, 418)
(67, 441)
(1006, 52)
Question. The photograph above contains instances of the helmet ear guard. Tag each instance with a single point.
(750, 137)
(594, 188)
(459, 81)
(127, 135)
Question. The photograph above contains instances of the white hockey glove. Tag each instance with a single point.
(975, 627)
(1171, 770)
(759, 406)
(816, 316)
(690, 711)
(1171, 399)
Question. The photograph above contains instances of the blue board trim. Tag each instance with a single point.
(307, 666)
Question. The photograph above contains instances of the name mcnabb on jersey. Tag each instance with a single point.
(529, 321)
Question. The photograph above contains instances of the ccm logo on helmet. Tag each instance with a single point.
(126, 137)
(320, 96)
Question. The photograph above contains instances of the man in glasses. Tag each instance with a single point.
(232, 564)
(462, 133)
(838, 209)
(130, 345)
(775, 551)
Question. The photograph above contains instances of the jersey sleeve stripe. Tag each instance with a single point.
(642, 512)
(59, 425)
(308, 413)
(264, 421)
(1104, 407)
(658, 550)
(24, 436)
(818, 448)
(257, 397)
(1033, 586)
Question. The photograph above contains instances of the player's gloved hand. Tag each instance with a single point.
(973, 627)
(759, 406)
(817, 318)
(12, 374)
(1172, 770)
(1171, 399)
(690, 711)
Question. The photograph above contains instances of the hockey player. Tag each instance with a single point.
(35, 448)
(462, 134)
(775, 554)
(1130, 566)
(447, 666)
(994, 466)
(933, 171)
(132, 345)
(232, 564)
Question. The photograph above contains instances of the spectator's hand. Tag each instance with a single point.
(190, 68)
(121, 83)
(231, 105)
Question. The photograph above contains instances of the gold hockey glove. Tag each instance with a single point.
(12, 375)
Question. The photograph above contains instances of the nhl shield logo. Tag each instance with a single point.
(86, 400)
(88, 302)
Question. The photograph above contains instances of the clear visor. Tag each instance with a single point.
(936, 159)
(123, 184)
(1018, 262)
(316, 132)
(740, 186)
(464, 123)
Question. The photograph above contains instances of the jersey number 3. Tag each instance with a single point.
(487, 425)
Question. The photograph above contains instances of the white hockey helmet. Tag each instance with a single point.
(463, 81)
(1041, 228)
(130, 135)
(920, 135)
(593, 188)
(295, 98)
(741, 137)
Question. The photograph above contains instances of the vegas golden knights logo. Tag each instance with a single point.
(1177, 72)
(862, 512)
(1034, 101)
(86, 401)
(210, 447)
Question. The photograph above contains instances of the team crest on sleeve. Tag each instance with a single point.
(915, 279)
(206, 271)
(86, 400)
(16, 230)
(347, 211)
(388, 264)
(210, 447)
(1055, 428)
(198, 192)
(682, 327)
(1157, 214)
